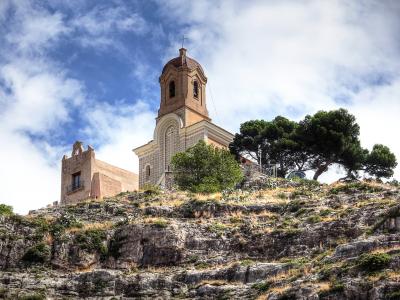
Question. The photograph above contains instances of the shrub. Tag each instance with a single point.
(335, 288)
(151, 189)
(64, 222)
(92, 240)
(300, 192)
(32, 297)
(295, 205)
(190, 208)
(247, 262)
(281, 195)
(306, 182)
(202, 265)
(314, 219)
(262, 286)
(115, 244)
(160, 223)
(37, 254)
(206, 169)
(217, 227)
(6, 210)
(355, 186)
(372, 262)
(393, 296)
(325, 212)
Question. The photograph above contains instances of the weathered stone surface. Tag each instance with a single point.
(294, 243)
(149, 245)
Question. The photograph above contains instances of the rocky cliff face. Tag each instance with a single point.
(276, 240)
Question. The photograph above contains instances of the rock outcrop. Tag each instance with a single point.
(275, 240)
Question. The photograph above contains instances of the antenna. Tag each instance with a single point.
(212, 100)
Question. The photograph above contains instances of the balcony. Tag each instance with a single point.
(75, 187)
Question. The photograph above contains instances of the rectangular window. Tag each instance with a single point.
(76, 180)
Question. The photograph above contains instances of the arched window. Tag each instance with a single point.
(195, 89)
(169, 146)
(172, 89)
(148, 172)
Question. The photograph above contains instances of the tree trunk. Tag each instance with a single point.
(321, 169)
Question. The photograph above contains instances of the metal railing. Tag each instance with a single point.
(75, 186)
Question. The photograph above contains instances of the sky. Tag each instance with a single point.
(88, 71)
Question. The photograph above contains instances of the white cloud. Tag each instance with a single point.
(28, 180)
(37, 97)
(37, 100)
(33, 29)
(265, 58)
(98, 26)
(119, 129)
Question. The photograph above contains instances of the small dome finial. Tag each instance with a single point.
(182, 52)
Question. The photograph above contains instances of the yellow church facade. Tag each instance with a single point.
(182, 120)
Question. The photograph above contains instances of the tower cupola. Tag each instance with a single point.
(183, 89)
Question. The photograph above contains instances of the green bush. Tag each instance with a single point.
(160, 223)
(295, 205)
(37, 254)
(32, 297)
(151, 189)
(115, 244)
(355, 186)
(307, 182)
(300, 192)
(6, 210)
(192, 206)
(217, 227)
(205, 169)
(64, 222)
(336, 288)
(314, 219)
(393, 296)
(92, 240)
(262, 286)
(372, 262)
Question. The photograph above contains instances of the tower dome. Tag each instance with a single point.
(183, 61)
(183, 89)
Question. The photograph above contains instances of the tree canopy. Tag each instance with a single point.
(204, 168)
(315, 143)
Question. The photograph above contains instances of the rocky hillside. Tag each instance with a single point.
(274, 240)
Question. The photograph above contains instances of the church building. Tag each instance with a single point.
(182, 120)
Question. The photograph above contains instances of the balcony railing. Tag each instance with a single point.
(75, 187)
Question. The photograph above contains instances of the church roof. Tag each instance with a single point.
(183, 60)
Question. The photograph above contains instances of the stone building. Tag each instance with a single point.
(181, 122)
(83, 176)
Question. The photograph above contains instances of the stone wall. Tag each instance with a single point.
(69, 166)
(128, 180)
(98, 179)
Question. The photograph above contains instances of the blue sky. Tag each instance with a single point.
(89, 70)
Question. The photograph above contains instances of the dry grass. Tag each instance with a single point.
(169, 202)
(393, 275)
(205, 197)
(214, 282)
(279, 289)
(385, 249)
(323, 286)
(329, 219)
(90, 226)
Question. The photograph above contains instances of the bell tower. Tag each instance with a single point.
(183, 90)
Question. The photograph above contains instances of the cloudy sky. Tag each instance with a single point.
(88, 70)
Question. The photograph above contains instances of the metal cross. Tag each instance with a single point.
(183, 40)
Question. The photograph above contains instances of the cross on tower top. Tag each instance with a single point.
(183, 39)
